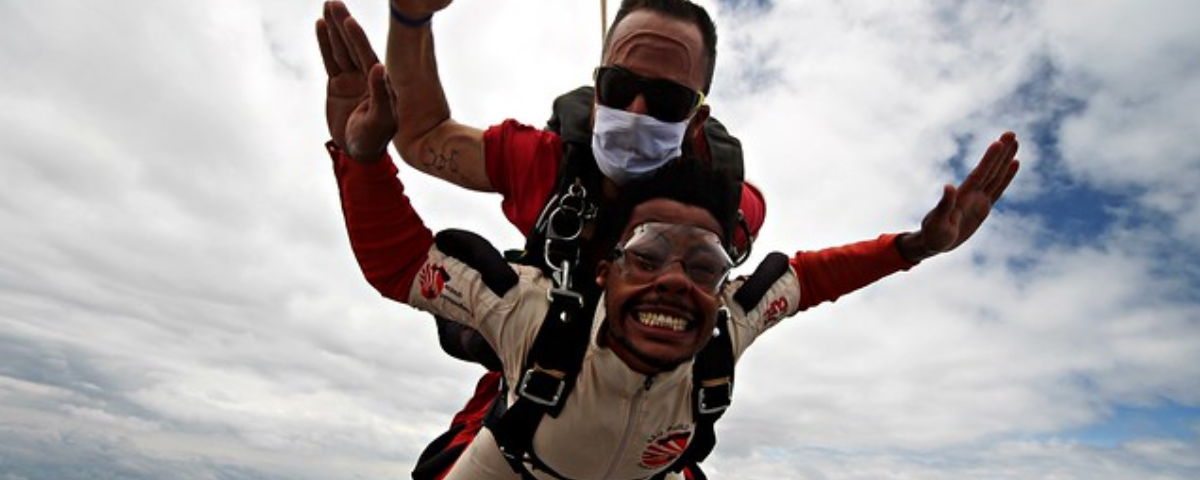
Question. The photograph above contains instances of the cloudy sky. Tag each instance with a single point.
(178, 299)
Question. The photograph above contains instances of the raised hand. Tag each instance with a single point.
(358, 104)
(963, 209)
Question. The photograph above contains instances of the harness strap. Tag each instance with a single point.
(755, 287)
(475, 251)
(551, 367)
(556, 356)
(712, 393)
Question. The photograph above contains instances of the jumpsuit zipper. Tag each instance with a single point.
(630, 418)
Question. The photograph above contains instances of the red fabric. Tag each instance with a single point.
(754, 210)
(389, 238)
(522, 164)
(827, 274)
(473, 413)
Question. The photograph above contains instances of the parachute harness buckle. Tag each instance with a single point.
(564, 225)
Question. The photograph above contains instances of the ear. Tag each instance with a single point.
(701, 115)
(695, 133)
(602, 273)
(696, 124)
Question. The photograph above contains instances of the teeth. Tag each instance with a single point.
(659, 320)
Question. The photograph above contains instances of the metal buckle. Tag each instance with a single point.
(727, 399)
(557, 295)
(528, 378)
(566, 221)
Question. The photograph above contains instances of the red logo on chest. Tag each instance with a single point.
(662, 451)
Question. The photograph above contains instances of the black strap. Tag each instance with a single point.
(551, 368)
(712, 394)
(479, 254)
(756, 286)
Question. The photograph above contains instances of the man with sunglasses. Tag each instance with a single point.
(658, 62)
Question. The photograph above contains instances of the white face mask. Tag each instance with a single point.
(627, 145)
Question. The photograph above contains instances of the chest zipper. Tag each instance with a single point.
(635, 404)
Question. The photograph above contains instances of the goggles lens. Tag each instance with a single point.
(667, 101)
(654, 247)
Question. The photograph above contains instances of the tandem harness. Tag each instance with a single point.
(556, 356)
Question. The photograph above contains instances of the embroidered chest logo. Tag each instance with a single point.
(665, 447)
(433, 280)
(775, 311)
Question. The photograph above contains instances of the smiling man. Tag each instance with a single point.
(656, 330)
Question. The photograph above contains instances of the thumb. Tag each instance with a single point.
(949, 199)
(380, 91)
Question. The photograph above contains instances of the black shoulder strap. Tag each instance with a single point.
(712, 394)
(550, 371)
(712, 390)
(572, 115)
(475, 251)
(765, 275)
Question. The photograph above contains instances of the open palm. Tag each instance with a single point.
(963, 209)
(358, 102)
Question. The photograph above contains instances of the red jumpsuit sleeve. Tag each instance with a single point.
(387, 235)
(825, 275)
(522, 165)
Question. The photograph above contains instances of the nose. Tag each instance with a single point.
(673, 278)
(638, 105)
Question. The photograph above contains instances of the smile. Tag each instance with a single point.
(658, 320)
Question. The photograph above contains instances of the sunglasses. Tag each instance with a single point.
(654, 247)
(667, 101)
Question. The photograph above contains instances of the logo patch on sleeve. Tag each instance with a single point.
(776, 311)
(432, 279)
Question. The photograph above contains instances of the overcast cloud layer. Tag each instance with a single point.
(178, 299)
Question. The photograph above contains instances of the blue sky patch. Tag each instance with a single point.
(1170, 421)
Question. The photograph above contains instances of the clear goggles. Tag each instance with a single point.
(655, 246)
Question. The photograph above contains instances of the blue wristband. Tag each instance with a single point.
(408, 21)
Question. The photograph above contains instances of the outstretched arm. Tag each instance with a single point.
(963, 209)
(827, 274)
(388, 237)
(428, 139)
